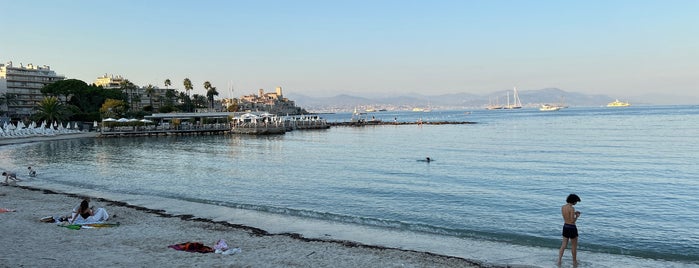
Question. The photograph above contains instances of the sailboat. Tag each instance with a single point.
(517, 103)
(492, 106)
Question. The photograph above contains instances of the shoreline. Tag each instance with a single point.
(30, 139)
(144, 234)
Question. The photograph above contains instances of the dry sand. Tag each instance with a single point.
(143, 237)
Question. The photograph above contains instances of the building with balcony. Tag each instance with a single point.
(20, 87)
(111, 81)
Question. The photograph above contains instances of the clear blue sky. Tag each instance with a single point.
(324, 48)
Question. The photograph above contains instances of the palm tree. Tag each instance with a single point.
(170, 95)
(50, 109)
(187, 87)
(149, 92)
(207, 85)
(128, 88)
(199, 100)
(167, 83)
(210, 95)
(8, 99)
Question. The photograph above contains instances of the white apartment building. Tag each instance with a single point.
(23, 85)
(111, 81)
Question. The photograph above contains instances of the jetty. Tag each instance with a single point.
(386, 123)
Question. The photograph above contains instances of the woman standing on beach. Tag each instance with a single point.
(85, 214)
(570, 231)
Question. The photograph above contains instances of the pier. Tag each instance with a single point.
(386, 123)
(207, 129)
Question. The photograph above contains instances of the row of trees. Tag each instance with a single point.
(75, 100)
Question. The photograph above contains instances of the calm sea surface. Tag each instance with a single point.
(493, 193)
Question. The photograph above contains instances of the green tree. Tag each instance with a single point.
(234, 106)
(167, 83)
(187, 87)
(170, 96)
(83, 100)
(129, 89)
(6, 100)
(63, 89)
(149, 92)
(50, 109)
(210, 93)
(199, 100)
(113, 108)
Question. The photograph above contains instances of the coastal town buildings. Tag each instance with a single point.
(109, 81)
(138, 97)
(271, 102)
(20, 87)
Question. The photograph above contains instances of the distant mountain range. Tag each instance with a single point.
(529, 98)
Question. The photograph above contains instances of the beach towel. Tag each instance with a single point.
(192, 247)
(89, 225)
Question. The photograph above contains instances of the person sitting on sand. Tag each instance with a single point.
(10, 176)
(85, 214)
(32, 172)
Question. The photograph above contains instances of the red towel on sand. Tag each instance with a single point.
(192, 247)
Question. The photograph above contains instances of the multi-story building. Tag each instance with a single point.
(138, 97)
(273, 102)
(109, 81)
(20, 87)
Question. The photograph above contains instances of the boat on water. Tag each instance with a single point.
(549, 108)
(257, 124)
(517, 104)
(360, 119)
(418, 109)
(617, 103)
(495, 106)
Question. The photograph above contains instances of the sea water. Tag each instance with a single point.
(493, 192)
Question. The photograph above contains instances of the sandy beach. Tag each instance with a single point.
(143, 236)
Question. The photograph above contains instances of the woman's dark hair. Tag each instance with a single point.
(84, 205)
(573, 198)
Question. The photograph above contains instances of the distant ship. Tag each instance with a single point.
(618, 103)
(549, 108)
(517, 103)
(495, 106)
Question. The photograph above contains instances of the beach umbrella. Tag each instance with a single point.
(145, 121)
(122, 120)
(109, 120)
